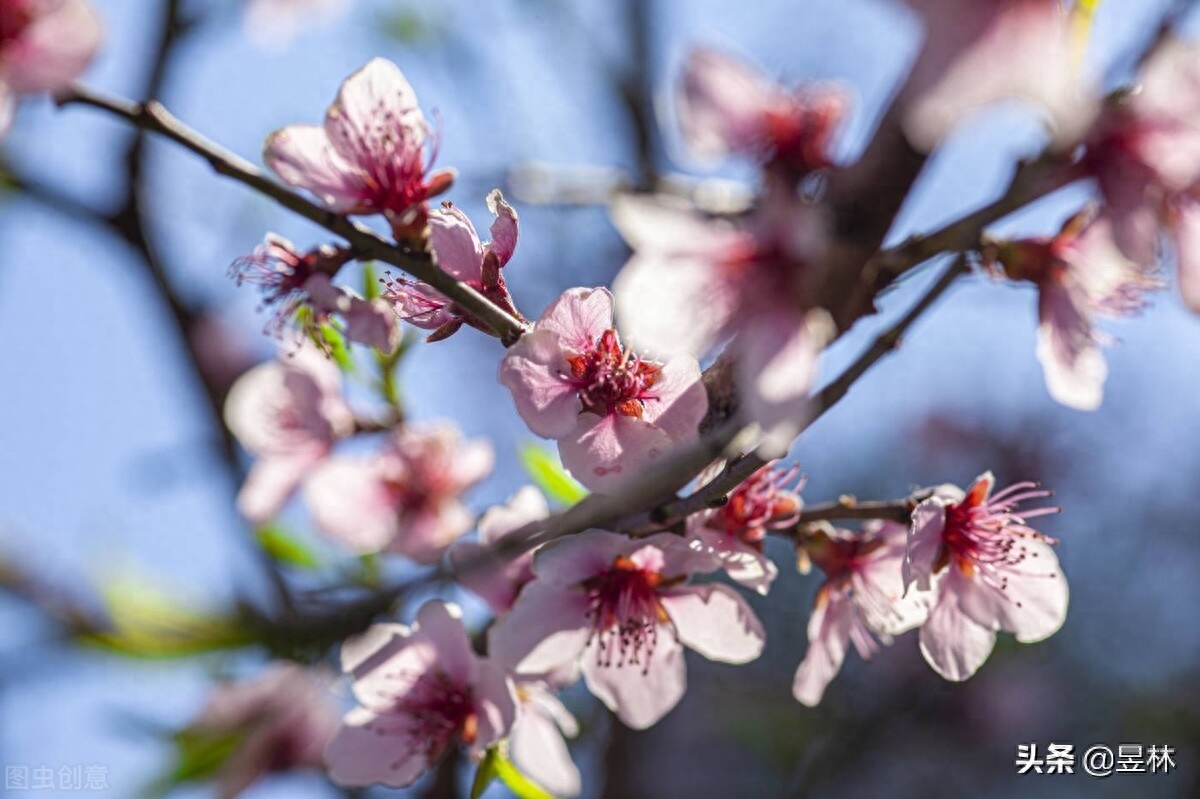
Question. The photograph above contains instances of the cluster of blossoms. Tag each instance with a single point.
(612, 609)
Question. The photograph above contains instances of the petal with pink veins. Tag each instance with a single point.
(361, 754)
(605, 452)
(534, 371)
(828, 635)
(302, 156)
(547, 628)
(952, 643)
(716, 622)
(639, 693)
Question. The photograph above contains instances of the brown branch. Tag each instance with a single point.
(153, 117)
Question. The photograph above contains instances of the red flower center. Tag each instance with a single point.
(612, 380)
(15, 16)
(758, 504)
(625, 612)
(435, 713)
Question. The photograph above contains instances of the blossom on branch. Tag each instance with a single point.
(622, 610)
(611, 411)
(695, 282)
(287, 413)
(1145, 154)
(282, 720)
(494, 578)
(369, 156)
(989, 570)
(861, 602)
(420, 689)
(292, 281)
(404, 499)
(44, 45)
(726, 107)
(460, 253)
(736, 532)
(1080, 273)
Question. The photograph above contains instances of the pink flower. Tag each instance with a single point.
(693, 283)
(369, 157)
(611, 411)
(283, 720)
(622, 610)
(459, 252)
(497, 581)
(420, 689)
(44, 45)
(291, 281)
(404, 499)
(1079, 273)
(287, 413)
(725, 107)
(979, 52)
(536, 743)
(989, 570)
(861, 600)
(736, 532)
(274, 23)
(1145, 154)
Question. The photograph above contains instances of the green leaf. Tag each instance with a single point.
(371, 288)
(496, 766)
(405, 26)
(335, 345)
(282, 547)
(548, 475)
(199, 755)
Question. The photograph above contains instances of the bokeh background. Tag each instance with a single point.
(111, 466)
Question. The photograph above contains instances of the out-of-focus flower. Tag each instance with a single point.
(459, 252)
(274, 24)
(369, 157)
(282, 719)
(989, 570)
(736, 532)
(693, 283)
(404, 499)
(287, 413)
(726, 107)
(1145, 155)
(536, 743)
(611, 411)
(223, 351)
(497, 579)
(291, 280)
(622, 610)
(979, 52)
(1079, 273)
(420, 690)
(44, 45)
(861, 600)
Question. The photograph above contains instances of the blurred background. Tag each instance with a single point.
(113, 467)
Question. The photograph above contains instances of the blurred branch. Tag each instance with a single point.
(152, 116)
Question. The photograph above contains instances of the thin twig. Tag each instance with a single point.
(152, 116)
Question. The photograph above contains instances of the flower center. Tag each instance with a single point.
(15, 16)
(611, 380)
(758, 504)
(433, 714)
(625, 613)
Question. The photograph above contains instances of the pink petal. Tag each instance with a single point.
(358, 650)
(546, 629)
(358, 755)
(425, 534)
(602, 453)
(538, 750)
(1187, 252)
(495, 705)
(350, 504)
(441, 623)
(1129, 206)
(828, 634)
(272, 481)
(642, 693)
(534, 371)
(456, 244)
(60, 41)
(302, 156)
(375, 120)
(924, 543)
(1033, 605)
(681, 401)
(1068, 348)
(579, 316)
(721, 104)
(744, 564)
(569, 561)
(373, 323)
(8, 108)
(952, 643)
(505, 229)
(716, 622)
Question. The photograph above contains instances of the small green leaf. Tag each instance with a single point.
(371, 288)
(496, 766)
(548, 475)
(282, 547)
(335, 345)
(485, 773)
(201, 754)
